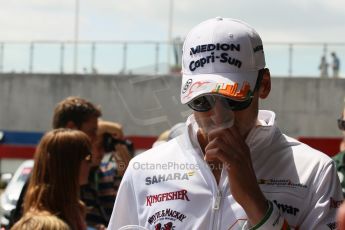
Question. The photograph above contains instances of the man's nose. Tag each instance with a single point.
(221, 114)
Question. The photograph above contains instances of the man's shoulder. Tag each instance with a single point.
(305, 153)
(160, 159)
(165, 151)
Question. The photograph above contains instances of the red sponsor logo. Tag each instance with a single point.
(167, 226)
(178, 195)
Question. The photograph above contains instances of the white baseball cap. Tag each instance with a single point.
(221, 56)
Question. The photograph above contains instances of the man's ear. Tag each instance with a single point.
(265, 86)
(71, 125)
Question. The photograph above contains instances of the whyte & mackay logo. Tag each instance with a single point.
(166, 215)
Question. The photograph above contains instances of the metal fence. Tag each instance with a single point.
(147, 57)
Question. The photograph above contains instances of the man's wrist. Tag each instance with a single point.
(272, 220)
(266, 216)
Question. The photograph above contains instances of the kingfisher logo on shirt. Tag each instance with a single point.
(186, 85)
(166, 215)
(167, 177)
(178, 195)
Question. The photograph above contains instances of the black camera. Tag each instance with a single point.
(109, 143)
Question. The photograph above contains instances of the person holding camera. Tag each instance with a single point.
(107, 174)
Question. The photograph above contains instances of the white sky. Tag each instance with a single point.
(275, 20)
(320, 21)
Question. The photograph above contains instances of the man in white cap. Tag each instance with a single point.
(232, 168)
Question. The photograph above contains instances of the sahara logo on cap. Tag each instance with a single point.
(185, 87)
(223, 57)
(199, 86)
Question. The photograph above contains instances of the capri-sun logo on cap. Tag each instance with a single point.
(222, 57)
